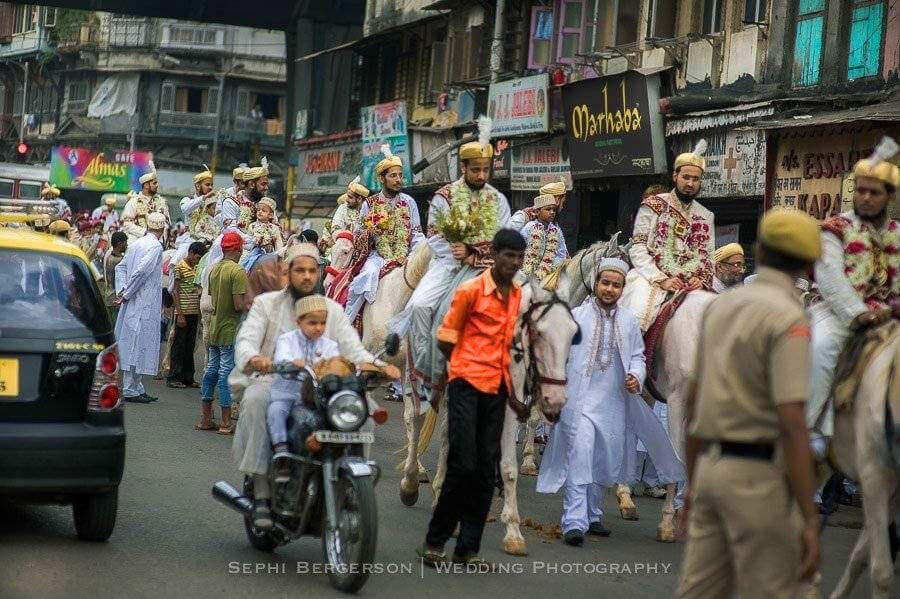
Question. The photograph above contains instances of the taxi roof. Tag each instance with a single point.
(23, 238)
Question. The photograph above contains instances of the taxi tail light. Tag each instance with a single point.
(106, 391)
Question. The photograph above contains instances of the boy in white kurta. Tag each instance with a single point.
(593, 446)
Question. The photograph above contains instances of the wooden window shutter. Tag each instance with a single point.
(474, 55)
(438, 72)
(7, 15)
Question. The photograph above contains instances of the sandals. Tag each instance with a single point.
(431, 556)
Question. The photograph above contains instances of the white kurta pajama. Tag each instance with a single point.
(594, 443)
(365, 284)
(270, 316)
(139, 282)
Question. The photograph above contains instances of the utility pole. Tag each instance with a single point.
(24, 105)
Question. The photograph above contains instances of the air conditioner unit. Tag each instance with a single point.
(50, 17)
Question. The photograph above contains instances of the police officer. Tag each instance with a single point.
(748, 457)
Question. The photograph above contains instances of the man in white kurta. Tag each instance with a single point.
(594, 444)
(203, 182)
(399, 234)
(142, 204)
(672, 244)
(139, 293)
(270, 316)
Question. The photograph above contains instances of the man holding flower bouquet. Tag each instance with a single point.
(390, 219)
(463, 218)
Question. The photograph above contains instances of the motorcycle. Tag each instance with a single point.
(331, 489)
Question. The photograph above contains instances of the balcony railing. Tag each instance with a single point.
(190, 37)
(129, 32)
(187, 120)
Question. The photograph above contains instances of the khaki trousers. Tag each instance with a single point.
(743, 532)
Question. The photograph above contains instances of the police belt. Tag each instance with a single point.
(755, 451)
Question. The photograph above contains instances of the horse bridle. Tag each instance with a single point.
(533, 377)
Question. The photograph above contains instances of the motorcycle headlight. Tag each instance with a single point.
(346, 411)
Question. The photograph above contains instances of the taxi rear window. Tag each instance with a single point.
(48, 296)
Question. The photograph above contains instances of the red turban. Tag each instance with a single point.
(232, 241)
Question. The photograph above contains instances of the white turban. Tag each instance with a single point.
(302, 249)
(614, 264)
(156, 221)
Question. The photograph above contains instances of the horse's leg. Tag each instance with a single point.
(878, 485)
(513, 541)
(627, 509)
(409, 481)
(441, 470)
(529, 467)
(855, 567)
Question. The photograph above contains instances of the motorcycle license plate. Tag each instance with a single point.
(338, 437)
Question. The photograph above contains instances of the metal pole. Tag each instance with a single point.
(497, 42)
(215, 152)
(24, 104)
(133, 128)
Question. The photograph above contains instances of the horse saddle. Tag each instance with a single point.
(855, 358)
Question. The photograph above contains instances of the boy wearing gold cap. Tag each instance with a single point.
(673, 242)
(392, 218)
(346, 216)
(546, 243)
(557, 189)
(858, 274)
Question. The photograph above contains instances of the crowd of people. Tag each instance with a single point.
(253, 297)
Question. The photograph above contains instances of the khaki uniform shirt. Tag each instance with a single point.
(753, 356)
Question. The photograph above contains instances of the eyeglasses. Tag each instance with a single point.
(735, 265)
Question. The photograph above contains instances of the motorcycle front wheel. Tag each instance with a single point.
(350, 549)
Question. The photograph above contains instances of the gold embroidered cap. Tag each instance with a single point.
(792, 232)
(877, 166)
(692, 158)
(59, 226)
(310, 303)
(390, 160)
(252, 173)
(481, 148)
(358, 188)
(727, 251)
(544, 200)
(203, 175)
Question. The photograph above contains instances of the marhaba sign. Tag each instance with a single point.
(812, 173)
(611, 131)
(116, 172)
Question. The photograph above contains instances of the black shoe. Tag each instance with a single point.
(138, 399)
(261, 516)
(149, 398)
(573, 537)
(597, 528)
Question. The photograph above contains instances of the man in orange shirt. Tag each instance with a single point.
(476, 335)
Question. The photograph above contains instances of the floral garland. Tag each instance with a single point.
(472, 213)
(203, 226)
(391, 227)
(684, 250)
(538, 263)
(872, 261)
(264, 233)
(144, 205)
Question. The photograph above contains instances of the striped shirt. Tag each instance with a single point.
(188, 290)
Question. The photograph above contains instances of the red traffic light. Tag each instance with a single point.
(22, 148)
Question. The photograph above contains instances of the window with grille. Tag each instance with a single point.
(78, 91)
(540, 48)
(808, 40)
(866, 34)
(193, 36)
(24, 18)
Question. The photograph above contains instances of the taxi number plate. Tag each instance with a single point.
(338, 437)
(9, 377)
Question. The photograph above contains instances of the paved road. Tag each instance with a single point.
(173, 540)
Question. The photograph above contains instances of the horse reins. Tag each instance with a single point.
(534, 377)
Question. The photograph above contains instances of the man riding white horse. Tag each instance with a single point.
(484, 211)
(673, 242)
(392, 219)
(858, 276)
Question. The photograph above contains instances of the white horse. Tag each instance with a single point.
(860, 450)
(341, 252)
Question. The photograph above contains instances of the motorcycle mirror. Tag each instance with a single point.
(392, 344)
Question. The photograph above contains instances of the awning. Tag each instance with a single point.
(884, 111)
(721, 117)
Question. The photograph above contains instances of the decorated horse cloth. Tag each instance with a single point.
(653, 336)
(855, 358)
(269, 273)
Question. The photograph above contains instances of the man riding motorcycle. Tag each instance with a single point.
(270, 316)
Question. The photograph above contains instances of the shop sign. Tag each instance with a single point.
(735, 162)
(384, 124)
(115, 172)
(519, 106)
(614, 127)
(535, 165)
(328, 170)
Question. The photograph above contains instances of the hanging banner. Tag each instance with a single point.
(519, 106)
(116, 172)
(533, 166)
(383, 124)
(501, 159)
(614, 127)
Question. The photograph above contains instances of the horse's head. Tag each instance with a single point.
(544, 336)
(577, 277)
(341, 252)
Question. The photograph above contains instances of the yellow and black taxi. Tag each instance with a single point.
(62, 433)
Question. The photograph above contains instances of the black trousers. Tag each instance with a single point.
(475, 422)
(181, 358)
